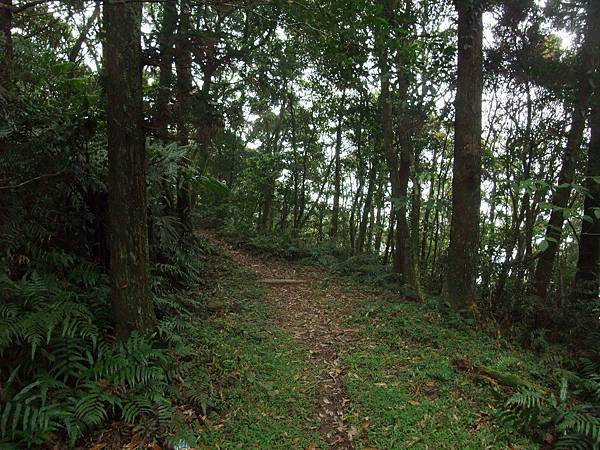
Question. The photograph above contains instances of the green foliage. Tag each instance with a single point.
(61, 368)
(575, 422)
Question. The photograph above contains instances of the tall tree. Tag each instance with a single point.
(166, 41)
(183, 69)
(130, 290)
(587, 277)
(587, 62)
(466, 182)
(387, 129)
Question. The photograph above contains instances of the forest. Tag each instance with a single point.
(299, 224)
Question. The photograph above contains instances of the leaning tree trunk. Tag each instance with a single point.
(76, 49)
(588, 56)
(130, 290)
(466, 182)
(586, 278)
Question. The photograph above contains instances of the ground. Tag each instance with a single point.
(301, 359)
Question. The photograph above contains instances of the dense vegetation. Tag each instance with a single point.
(444, 154)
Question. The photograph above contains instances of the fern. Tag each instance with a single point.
(577, 424)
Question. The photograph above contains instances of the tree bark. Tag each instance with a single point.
(466, 182)
(588, 61)
(130, 290)
(586, 284)
(403, 256)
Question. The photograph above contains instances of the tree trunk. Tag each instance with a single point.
(586, 278)
(403, 256)
(430, 201)
(166, 42)
(415, 216)
(183, 68)
(588, 56)
(466, 182)
(355, 209)
(130, 290)
(6, 47)
(378, 230)
(381, 37)
(515, 238)
(295, 170)
(367, 206)
(76, 49)
(335, 212)
(390, 237)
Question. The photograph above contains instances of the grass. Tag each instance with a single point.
(407, 392)
(402, 382)
(261, 391)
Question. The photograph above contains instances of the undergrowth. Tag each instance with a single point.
(409, 387)
(365, 268)
(552, 397)
(63, 375)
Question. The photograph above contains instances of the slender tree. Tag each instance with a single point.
(337, 184)
(466, 182)
(587, 62)
(166, 43)
(183, 68)
(130, 290)
(75, 51)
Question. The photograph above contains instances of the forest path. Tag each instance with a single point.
(314, 310)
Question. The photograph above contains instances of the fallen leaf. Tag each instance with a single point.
(414, 402)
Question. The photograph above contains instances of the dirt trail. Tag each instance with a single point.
(312, 310)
